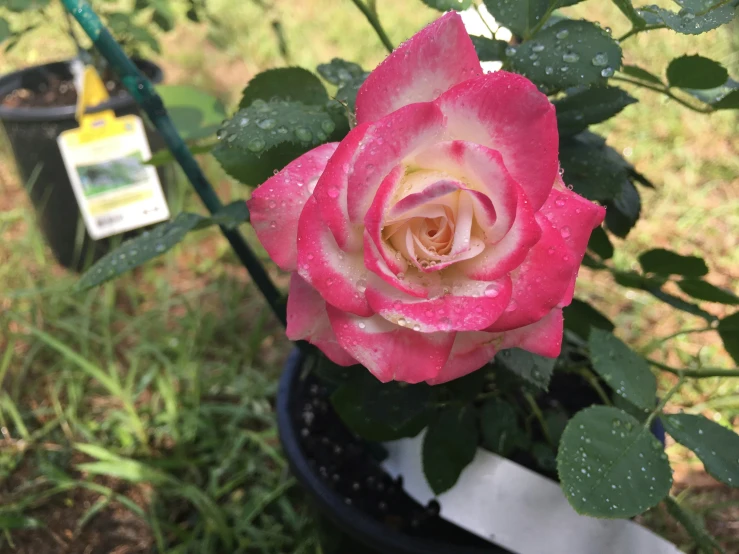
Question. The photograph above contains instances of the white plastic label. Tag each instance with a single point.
(115, 190)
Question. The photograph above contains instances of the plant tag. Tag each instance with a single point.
(115, 190)
(518, 509)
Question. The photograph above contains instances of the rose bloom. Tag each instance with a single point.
(439, 231)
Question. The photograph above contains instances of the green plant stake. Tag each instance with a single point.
(146, 96)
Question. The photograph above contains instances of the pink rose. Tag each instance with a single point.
(439, 230)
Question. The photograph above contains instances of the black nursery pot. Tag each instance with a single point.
(32, 133)
(338, 488)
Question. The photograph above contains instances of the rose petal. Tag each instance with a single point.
(541, 281)
(575, 217)
(482, 169)
(330, 191)
(375, 219)
(507, 113)
(470, 352)
(391, 352)
(543, 337)
(275, 206)
(386, 143)
(335, 274)
(307, 320)
(462, 305)
(419, 70)
(410, 283)
(508, 254)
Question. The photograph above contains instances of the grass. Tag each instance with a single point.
(139, 416)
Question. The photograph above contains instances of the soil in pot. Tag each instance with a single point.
(37, 104)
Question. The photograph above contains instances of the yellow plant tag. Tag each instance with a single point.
(116, 192)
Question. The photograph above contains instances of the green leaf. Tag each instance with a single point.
(627, 8)
(580, 317)
(665, 262)
(623, 210)
(636, 280)
(195, 114)
(446, 5)
(702, 290)
(292, 84)
(610, 465)
(520, 16)
(642, 74)
(587, 107)
(715, 445)
(694, 525)
(339, 72)
(150, 244)
(595, 170)
(728, 102)
(5, 32)
(382, 411)
(696, 72)
(347, 93)
(449, 446)
(567, 54)
(689, 21)
(545, 456)
(465, 389)
(681, 304)
(535, 369)
(10, 521)
(163, 17)
(488, 49)
(728, 330)
(165, 156)
(600, 244)
(265, 137)
(500, 430)
(626, 372)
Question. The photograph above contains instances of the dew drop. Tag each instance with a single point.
(563, 34)
(303, 134)
(512, 305)
(266, 123)
(491, 291)
(600, 59)
(255, 145)
(537, 47)
(243, 122)
(565, 232)
(362, 285)
(333, 192)
(510, 51)
(548, 70)
(272, 204)
(273, 224)
(401, 322)
(328, 126)
(607, 72)
(570, 57)
(361, 325)
(416, 327)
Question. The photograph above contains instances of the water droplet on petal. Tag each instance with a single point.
(560, 201)
(565, 232)
(361, 325)
(491, 291)
(333, 192)
(362, 285)
(401, 322)
(512, 305)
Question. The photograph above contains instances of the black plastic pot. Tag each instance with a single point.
(32, 133)
(345, 529)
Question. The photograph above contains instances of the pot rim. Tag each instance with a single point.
(13, 81)
(367, 529)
